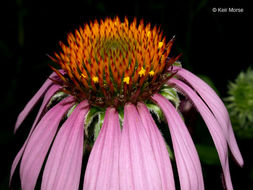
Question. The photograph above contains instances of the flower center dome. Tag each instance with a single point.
(112, 62)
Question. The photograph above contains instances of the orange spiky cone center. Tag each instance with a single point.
(112, 62)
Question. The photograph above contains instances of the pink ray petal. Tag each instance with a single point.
(63, 167)
(102, 171)
(46, 99)
(137, 163)
(39, 143)
(49, 94)
(29, 106)
(217, 107)
(188, 164)
(159, 148)
(213, 126)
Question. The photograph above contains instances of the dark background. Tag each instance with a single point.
(217, 45)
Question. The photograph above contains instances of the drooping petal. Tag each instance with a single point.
(188, 164)
(138, 166)
(213, 126)
(51, 91)
(102, 171)
(29, 106)
(39, 143)
(217, 107)
(159, 148)
(63, 167)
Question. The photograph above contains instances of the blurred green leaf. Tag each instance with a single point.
(240, 104)
(208, 154)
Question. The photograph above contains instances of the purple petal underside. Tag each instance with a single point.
(216, 106)
(51, 91)
(63, 167)
(213, 126)
(137, 163)
(188, 163)
(159, 148)
(39, 143)
(102, 171)
(29, 106)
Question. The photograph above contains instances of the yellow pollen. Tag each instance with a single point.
(95, 79)
(142, 72)
(151, 73)
(126, 80)
(160, 45)
(83, 75)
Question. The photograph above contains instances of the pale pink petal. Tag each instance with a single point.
(159, 148)
(49, 94)
(102, 171)
(188, 164)
(39, 143)
(46, 99)
(213, 126)
(29, 106)
(217, 107)
(137, 163)
(63, 167)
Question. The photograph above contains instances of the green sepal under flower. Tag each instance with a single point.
(71, 110)
(90, 120)
(240, 104)
(56, 98)
(153, 108)
(99, 124)
(170, 94)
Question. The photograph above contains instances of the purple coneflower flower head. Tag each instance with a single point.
(113, 74)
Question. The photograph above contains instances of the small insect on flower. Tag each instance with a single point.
(112, 75)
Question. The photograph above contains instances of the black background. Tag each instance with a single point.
(215, 44)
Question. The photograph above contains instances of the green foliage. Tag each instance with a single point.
(240, 104)
(208, 154)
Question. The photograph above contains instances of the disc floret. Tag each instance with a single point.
(112, 62)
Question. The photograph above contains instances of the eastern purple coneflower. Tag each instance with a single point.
(113, 74)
